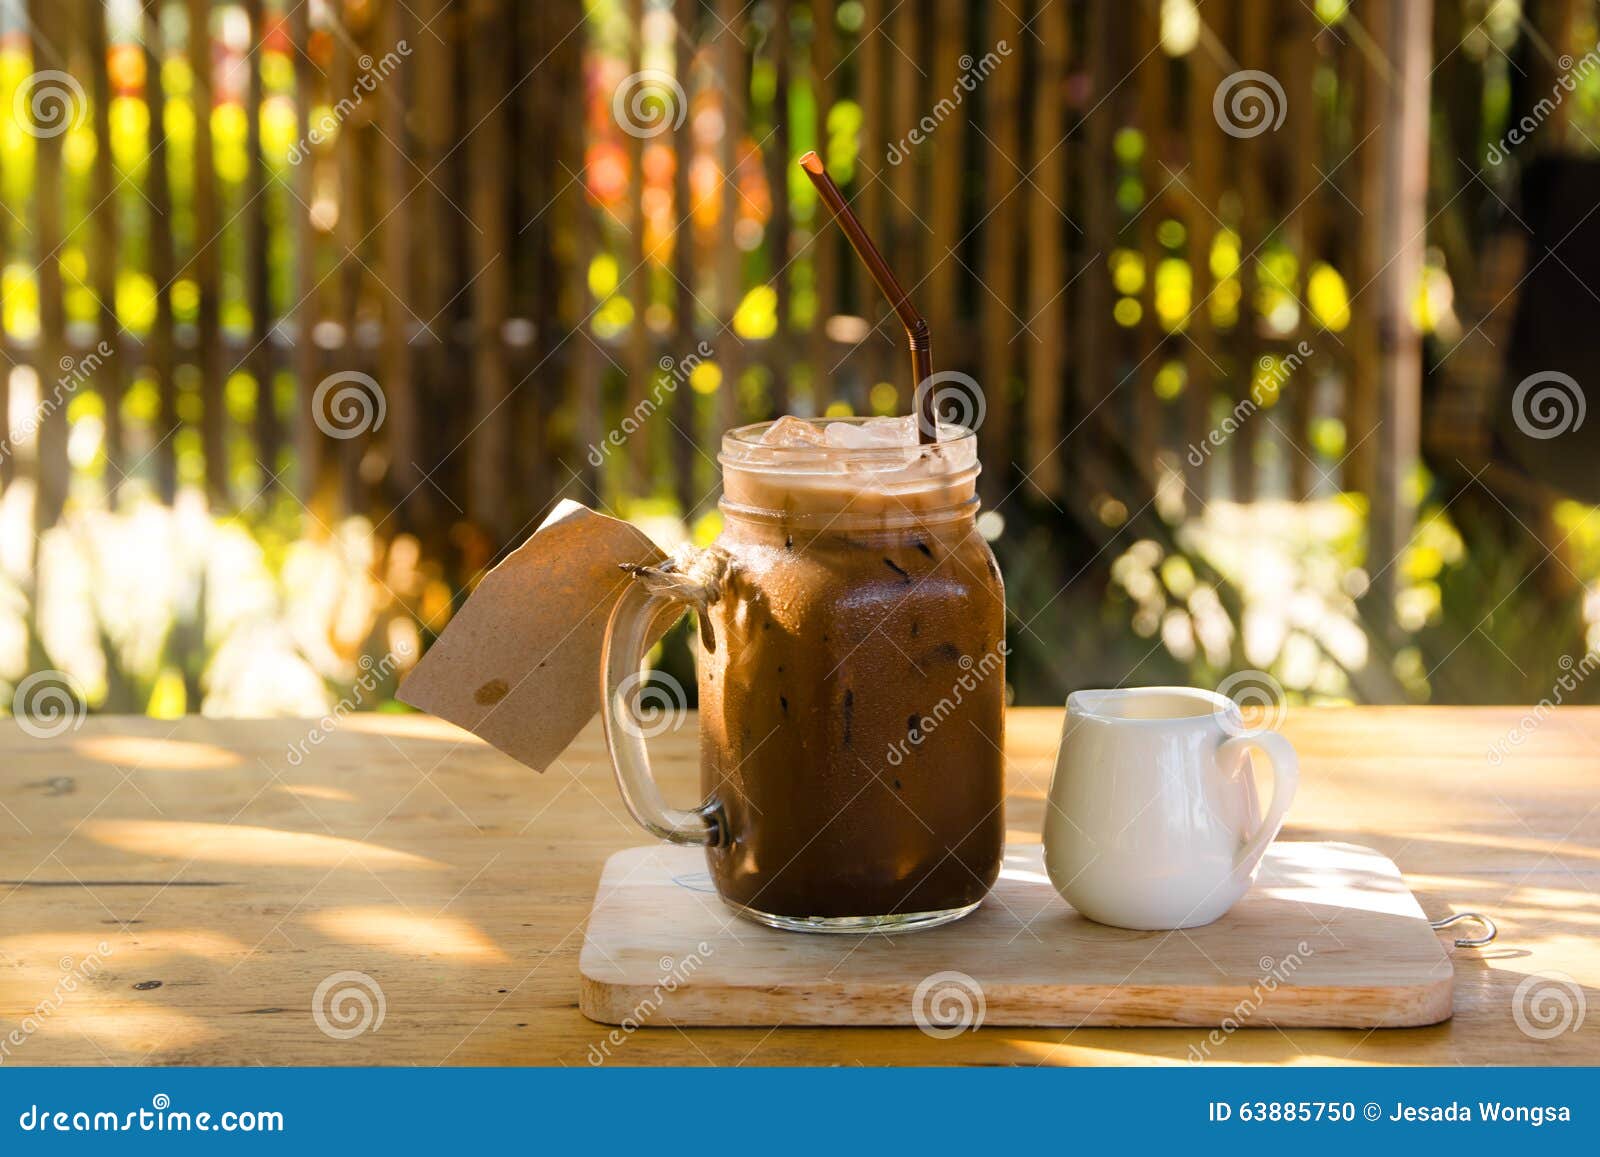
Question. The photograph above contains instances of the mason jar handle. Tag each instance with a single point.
(626, 728)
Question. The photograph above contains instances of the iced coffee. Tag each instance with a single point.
(852, 709)
(852, 679)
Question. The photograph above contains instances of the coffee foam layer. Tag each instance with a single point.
(875, 466)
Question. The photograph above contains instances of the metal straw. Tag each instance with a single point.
(916, 326)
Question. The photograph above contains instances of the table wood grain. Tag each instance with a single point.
(174, 892)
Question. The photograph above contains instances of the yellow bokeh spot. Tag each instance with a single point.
(130, 125)
(1172, 292)
(229, 125)
(1127, 270)
(838, 410)
(1434, 299)
(141, 405)
(1170, 380)
(277, 71)
(277, 127)
(84, 403)
(239, 396)
(136, 300)
(21, 294)
(613, 317)
(1268, 380)
(1178, 575)
(884, 398)
(757, 315)
(167, 697)
(1127, 312)
(705, 378)
(1328, 437)
(78, 147)
(603, 276)
(1225, 254)
(1225, 303)
(176, 76)
(1278, 267)
(1328, 298)
(707, 528)
(179, 122)
(185, 299)
(1128, 144)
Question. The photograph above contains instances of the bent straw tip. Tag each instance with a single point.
(811, 163)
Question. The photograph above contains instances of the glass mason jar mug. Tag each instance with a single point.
(851, 675)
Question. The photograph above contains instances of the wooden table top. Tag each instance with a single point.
(175, 893)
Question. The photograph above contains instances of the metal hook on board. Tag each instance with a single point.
(1490, 931)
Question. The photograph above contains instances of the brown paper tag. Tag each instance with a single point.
(519, 665)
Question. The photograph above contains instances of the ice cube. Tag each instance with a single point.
(791, 431)
(871, 434)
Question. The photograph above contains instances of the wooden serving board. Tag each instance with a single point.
(1329, 936)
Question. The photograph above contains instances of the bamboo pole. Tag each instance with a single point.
(203, 267)
(308, 438)
(1302, 141)
(111, 374)
(1401, 226)
(1086, 443)
(1047, 315)
(49, 32)
(732, 66)
(396, 355)
(1204, 179)
(1251, 157)
(1149, 418)
(1000, 236)
(489, 460)
(640, 370)
(825, 249)
(686, 459)
(163, 261)
(779, 153)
